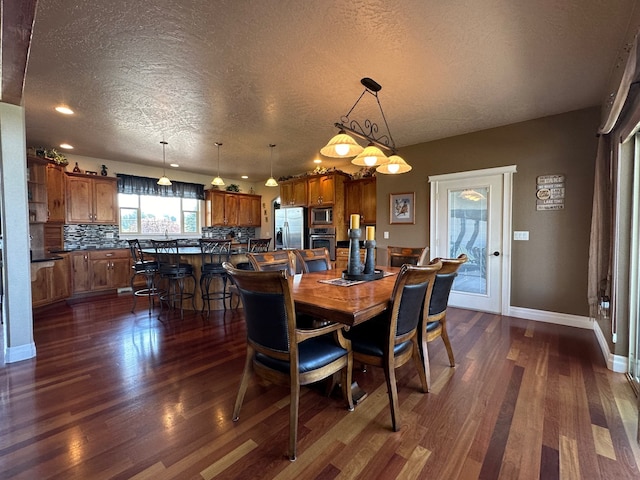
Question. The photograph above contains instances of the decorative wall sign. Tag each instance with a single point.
(550, 191)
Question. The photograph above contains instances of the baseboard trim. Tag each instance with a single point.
(616, 363)
(17, 354)
(551, 317)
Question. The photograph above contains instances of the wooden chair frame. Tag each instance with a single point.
(278, 282)
(307, 257)
(273, 260)
(397, 256)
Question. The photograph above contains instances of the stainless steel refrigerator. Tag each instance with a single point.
(290, 226)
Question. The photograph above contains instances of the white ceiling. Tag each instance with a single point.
(251, 73)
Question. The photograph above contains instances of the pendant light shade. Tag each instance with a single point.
(164, 180)
(271, 182)
(217, 180)
(395, 165)
(370, 157)
(341, 146)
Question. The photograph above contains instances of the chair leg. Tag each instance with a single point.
(347, 380)
(421, 360)
(392, 389)
(447, 343)
(133, 292)
(246, 374)
(294, 404)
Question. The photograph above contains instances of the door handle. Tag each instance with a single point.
(496, 254)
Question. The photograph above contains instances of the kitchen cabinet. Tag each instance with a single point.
(249, 210)
(91, 199)
(361, 199)
(55, 193)
(50, 281)
(293, 193)
(322, 190)
(97, 270)
(231, 209)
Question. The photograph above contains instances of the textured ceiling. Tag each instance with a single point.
(251, 73)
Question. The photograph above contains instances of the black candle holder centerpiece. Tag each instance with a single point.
(355, 270)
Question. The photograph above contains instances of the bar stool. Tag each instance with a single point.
(214, 253)
(147, 268)
(175, 273)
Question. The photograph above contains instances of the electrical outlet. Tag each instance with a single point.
(109, 235)
(386, 235)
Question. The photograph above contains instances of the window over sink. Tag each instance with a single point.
(155, 215)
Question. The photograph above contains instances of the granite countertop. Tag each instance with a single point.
(42, 256)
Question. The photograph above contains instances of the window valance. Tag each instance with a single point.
(132, 184)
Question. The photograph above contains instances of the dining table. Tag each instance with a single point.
(328, 296)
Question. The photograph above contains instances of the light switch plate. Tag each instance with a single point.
(521, 235)
(386, 235)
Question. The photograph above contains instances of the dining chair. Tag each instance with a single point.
(175, 273)
(255, 245)
(274, 260)
(313, 259)
(398, 256)
(281, 353)
(146, 267)
(435, 324)
(214, 252)
(391, 339)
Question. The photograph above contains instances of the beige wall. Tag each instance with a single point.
(549, 272)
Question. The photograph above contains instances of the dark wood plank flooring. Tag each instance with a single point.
(118, 395)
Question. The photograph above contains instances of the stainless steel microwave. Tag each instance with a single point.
(322, 216)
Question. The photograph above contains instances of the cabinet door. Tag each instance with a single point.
(327, 189)
(100, 274)
(256, 218)
(299, 193)
(40, 281)
(120, 273)
(244, 211)
(286, 193)
(231, 210)
(354, 196)
(368, 201)
(79, 200)
(60, 282)
(55, 193)
(314, 191)
(217, 208)
(105, 201)
(80, 273)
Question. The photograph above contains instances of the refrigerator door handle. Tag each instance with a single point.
(285, 236)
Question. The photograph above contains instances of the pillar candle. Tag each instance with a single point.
(355, 222)
(371, 233)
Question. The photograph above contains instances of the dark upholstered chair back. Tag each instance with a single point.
(398, 256)
(314, 259)
(441, 290)
(273, 260)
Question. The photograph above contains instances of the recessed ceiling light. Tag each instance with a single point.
(66, 146)
(65, 110)
(174, 165)
(245, 176)
(317, 160)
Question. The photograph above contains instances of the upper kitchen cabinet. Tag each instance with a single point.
(326, 189)
(232, 209)
(249, 210)
(293, 193)
(55, 193)
(91, 199)
(361, 199)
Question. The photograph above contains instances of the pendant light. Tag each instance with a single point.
(272, 181)
(395, 165)
(217, 180)
(164, 180)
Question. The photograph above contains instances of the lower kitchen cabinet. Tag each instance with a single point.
(50, 281)
(342, 258)
(96, 270)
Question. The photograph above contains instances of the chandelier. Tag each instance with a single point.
(343, 145)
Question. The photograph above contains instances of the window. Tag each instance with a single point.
(154, 215)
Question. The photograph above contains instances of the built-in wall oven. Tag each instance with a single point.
(320, 237)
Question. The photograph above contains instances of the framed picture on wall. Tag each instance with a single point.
(402, 208)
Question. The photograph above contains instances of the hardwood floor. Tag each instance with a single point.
(113, 394)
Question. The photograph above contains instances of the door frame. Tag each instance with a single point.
(507, 198)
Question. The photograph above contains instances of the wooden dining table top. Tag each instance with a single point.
(350, 305)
